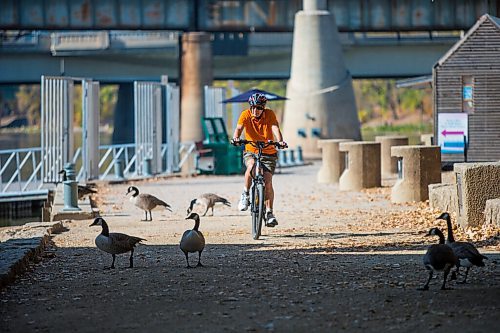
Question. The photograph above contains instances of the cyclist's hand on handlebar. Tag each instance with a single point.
(282, 145)
(236, 141)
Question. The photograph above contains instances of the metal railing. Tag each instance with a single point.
(21, 169)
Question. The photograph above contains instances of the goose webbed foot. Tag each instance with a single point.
(462, 282)
(189, 266)
(200, 265)
(424, 288)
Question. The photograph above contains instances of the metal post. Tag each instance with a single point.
(300, 160)
(119, 163)
(146, 166)
(292, 157)
(70, 189)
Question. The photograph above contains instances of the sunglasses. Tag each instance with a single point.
(260, 108)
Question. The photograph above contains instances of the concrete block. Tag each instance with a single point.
(444, 197)
(476, 183)
(427, 139)
(362, 167)
(333, 161)
(421, 167)
(492, 212)
(389, 164)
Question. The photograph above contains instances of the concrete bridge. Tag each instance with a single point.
(251, 39)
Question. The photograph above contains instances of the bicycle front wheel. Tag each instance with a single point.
(258, 210)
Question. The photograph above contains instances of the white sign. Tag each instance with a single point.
(452, 132)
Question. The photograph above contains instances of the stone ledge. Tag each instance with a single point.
(24, 244)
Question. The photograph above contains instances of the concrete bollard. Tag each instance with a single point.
(119, 169)
(427, 139)
(476, 183)
(147, 167)
(362, 166)
(389, 164)
(421, 167)
(333, 161)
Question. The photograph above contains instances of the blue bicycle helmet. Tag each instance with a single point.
(257, 99)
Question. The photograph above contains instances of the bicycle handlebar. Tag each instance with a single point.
(256, 144)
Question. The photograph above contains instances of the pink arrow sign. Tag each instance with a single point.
(445, 132)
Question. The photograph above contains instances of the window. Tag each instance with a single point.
(468, 94)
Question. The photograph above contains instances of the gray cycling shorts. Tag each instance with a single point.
(268, 161)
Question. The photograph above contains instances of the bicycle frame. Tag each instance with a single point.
(257, 189)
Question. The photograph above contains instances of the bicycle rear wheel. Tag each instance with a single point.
(257, 210)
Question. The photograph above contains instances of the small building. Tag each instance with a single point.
(466, 83)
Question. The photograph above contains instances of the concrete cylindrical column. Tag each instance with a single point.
(310, 5)
(321, 103)
(333, 161)
(421, 167)
(476, 183)
(389, 164)
(363, 165)
(196, 72)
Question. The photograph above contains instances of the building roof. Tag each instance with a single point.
(454, 48)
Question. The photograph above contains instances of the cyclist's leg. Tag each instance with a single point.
(268, 178)
(245, 197)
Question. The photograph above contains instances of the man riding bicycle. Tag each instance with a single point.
(260, 124)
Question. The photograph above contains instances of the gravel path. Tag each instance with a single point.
(337, 261)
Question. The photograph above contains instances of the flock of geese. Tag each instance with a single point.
(441, 257)
(448, 254)
(192, 240)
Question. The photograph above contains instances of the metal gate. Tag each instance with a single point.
(56, 125)
(90, 129)
(148, 105)
(213, 106)
(172, 125)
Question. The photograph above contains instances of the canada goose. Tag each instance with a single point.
(439, 257)
(208, 200)
(147, 202)
(467, 253)
(83, 190)
(193, 240)
(115, 243)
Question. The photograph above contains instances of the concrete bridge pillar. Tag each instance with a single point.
(421, 167)
(196, 72)
(389, 164)
(362, 166)
(333, 161)
(321, 102)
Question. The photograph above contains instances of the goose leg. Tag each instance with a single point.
(150, 216)
(131, 258)
(199, 259)
(446, 271)
(187, 260)
(113, 263)
(426, 285)
(146, 212)
(212, 210)
(466, 274)
(206, 210)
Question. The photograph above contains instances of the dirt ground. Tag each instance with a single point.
(337, 261)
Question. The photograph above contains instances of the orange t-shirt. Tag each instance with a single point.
(258, 129)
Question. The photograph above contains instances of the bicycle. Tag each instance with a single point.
(257, 189)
